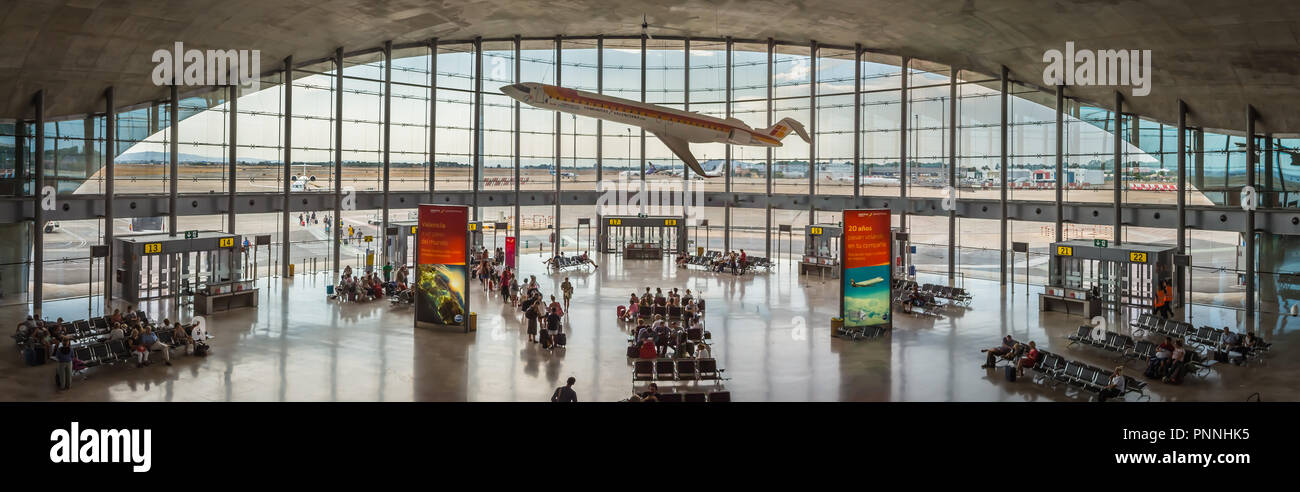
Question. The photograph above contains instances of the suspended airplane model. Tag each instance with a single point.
(676, 129)
(865, 283)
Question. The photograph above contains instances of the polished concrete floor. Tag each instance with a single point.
(770, 333)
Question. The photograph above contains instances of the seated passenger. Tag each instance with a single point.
(647, 350)
(181, 337)
(993, 353)
(1116, 386)
(148, 341)
(1028, 360)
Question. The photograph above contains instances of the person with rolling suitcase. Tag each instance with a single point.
(553, 327)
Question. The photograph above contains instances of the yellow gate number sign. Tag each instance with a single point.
(1137, 257)
(473, 226)
(615, 222)
(226, 242)
(413, 229)
(816, 231)
(152, 248)
(670, 222)
(1064, 251)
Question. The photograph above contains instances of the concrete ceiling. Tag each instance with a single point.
(1218, 56)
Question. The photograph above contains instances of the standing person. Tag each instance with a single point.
(567, 289)
(1164, 295)
(565, 394)
(531, 307)
(388, 271)
(553, 327)
(63, 373)
(555, 306)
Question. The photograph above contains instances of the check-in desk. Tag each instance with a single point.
(1069, 301)
(643, 251)
(215, 298)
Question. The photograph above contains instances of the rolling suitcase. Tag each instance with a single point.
(1011, 374)
(632, 351)
(560, 339)
(546, 339)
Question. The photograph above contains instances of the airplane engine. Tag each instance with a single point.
(312, 178)
(293, 178)
(738, 138)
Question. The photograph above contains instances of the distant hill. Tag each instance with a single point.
(152, 157)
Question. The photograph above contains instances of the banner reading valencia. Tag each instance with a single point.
(867, 250)
(441, 282)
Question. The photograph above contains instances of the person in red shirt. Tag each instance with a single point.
(648, 349)
(1028, 360)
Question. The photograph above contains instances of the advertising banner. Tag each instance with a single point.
(441, 298)
(510, 251)
(865, 295)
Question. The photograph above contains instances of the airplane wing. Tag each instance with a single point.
(682, 149)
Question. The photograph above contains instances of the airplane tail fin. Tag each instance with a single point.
(784, 127)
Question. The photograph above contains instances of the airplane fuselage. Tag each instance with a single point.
(660, 120)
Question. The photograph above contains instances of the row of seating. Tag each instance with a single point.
(1130, 349)
(711, 257)
(83, 331)
(562, 262)
(711, 397)
(676, 370)
(671, 313)
(953, 295)
(1055, 370)
(856, 332)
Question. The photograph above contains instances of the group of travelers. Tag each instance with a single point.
(370, 285)
(557, 261)
(545, 320)
(686, 306)
(57, 337)
(737, 262)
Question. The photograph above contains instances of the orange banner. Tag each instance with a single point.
(866, 238)
(442, 234)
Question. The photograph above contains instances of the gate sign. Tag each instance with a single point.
(226, 242)
(152, 248)
(1064, 251)
(1137, 257)
(865, 289)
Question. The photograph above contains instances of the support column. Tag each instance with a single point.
(433, 114)
(767, 239)
(174, 131)
(642, 188)
(1118, 171)
(286, 245)
(727, 156)
(555, 245)
(1250, 219)
(902, 145)
(233, 105)
(1060, 160)
(515, 136)
(1198, 158)
(952, 174)
(110, 153)
(1002, 178)
(857, 123)
(476, 160)
(388, 140)
(812, 131)
(38, 224)
(1266, 192)
(1180, 282)
(338, 158)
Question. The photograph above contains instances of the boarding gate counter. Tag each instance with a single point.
(162, 265)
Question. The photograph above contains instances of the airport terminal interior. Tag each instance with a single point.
(1129, 211)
